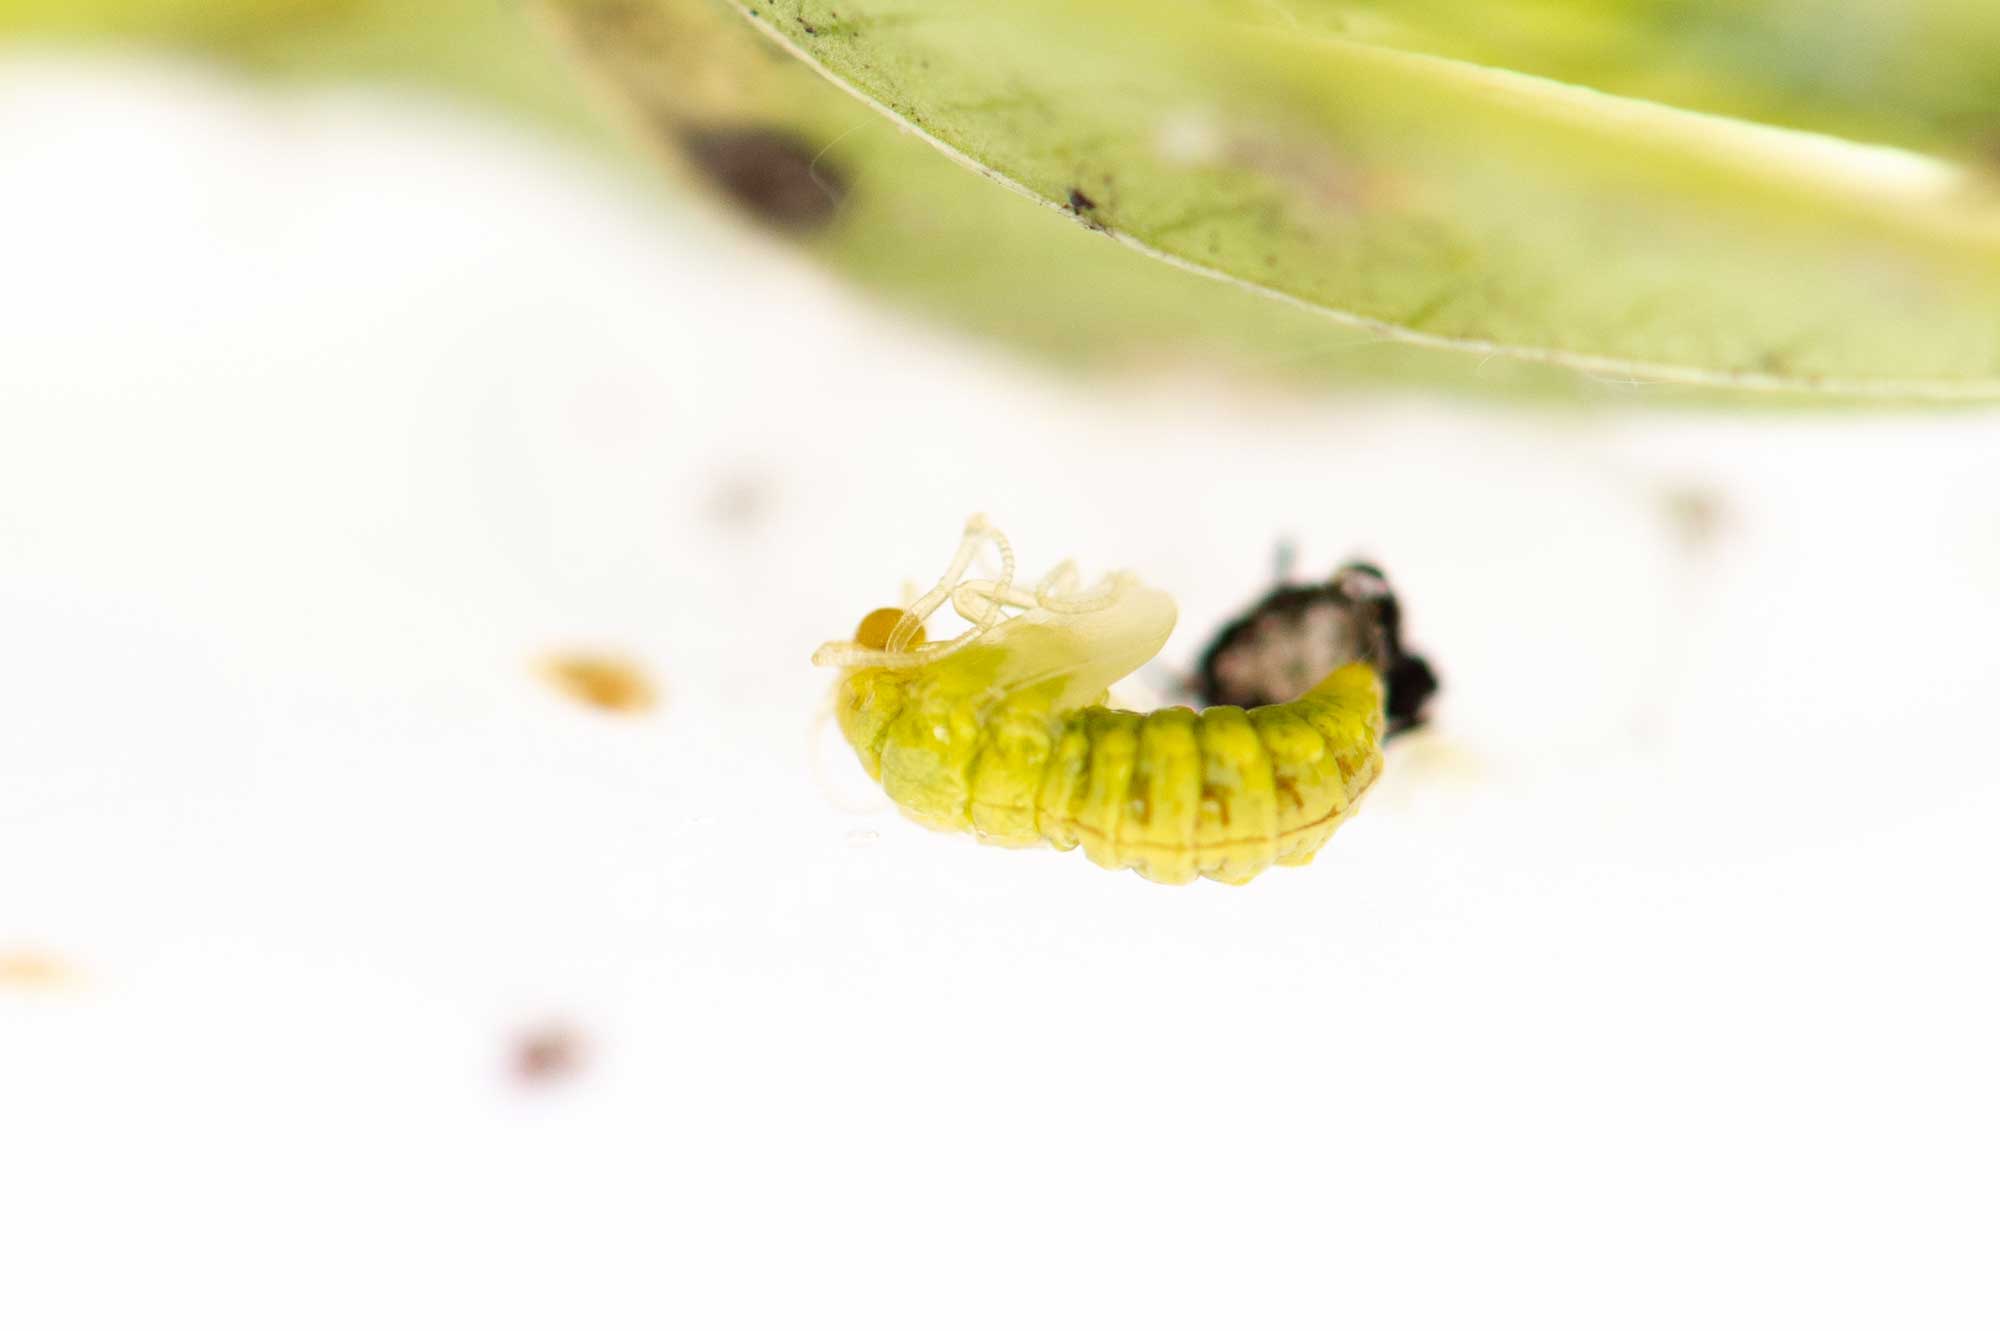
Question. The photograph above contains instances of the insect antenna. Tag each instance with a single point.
(978, 601)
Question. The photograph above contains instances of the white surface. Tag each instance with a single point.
(1654, 988)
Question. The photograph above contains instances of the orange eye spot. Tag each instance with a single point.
(874, 630)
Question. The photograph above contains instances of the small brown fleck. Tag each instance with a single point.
(1079, 202)
(1986, 147)
(1698, 514)
(554, 1051)
(741, 499)
(775, 176)
(608, 682)
(29, 969)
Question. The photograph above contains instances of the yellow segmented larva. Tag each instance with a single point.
(1003, 731)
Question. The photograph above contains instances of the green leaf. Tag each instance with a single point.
(1378, 186)
(484, 50)
(727, 110)
(1436, 200)
(719, 103)
(1918, 74)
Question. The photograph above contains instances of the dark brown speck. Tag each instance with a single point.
(775, 176)
(549, 1053)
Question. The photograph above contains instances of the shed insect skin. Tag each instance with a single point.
(1297, 633)
(1004, 732)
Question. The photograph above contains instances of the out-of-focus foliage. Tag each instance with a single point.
(1919, 74)
(486, 49)
(910, 224)
(915, 225)
(1413, 167)
(1430, 197)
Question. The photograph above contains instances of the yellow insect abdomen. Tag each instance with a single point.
(1222, 793)
(1172, 794)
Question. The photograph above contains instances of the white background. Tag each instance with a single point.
(1654, 987)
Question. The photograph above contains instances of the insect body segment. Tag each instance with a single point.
(1221, 794)
(1004, 732)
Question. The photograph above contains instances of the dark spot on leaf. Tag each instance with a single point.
(1085, 207)
(776, 177)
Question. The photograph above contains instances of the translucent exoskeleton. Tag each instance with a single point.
(1003, 730)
